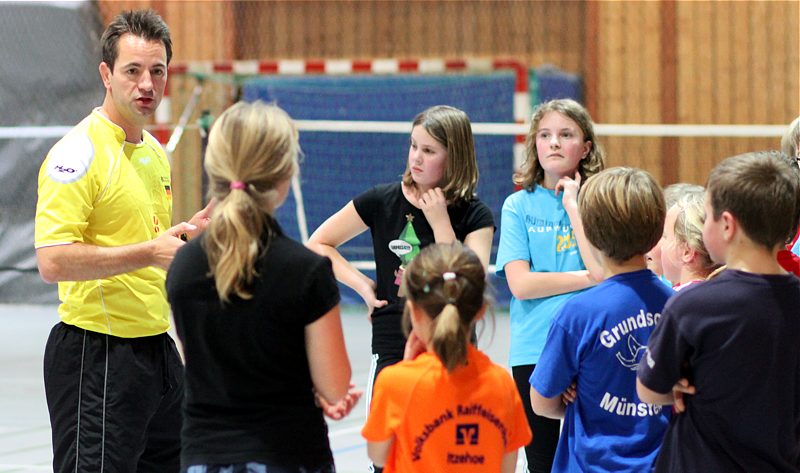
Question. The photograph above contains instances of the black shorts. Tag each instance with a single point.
(114, 403)
(387, 333)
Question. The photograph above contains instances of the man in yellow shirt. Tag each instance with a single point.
(113, 377)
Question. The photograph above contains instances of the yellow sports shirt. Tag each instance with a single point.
(98, 189)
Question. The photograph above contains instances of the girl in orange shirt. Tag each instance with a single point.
(446, 407)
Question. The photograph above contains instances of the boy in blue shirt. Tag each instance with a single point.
(734, 337)
(587, 372)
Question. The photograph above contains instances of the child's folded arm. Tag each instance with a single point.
(551, 407)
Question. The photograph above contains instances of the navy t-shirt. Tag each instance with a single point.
(248, 387)
(737, 339)
(399, 230)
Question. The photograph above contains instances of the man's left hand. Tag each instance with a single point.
(200, 220)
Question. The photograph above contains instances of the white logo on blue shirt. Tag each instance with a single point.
(621, 406)
(643, 319)
(636, 350)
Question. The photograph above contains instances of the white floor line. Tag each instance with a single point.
(41, 467)
(344, 431)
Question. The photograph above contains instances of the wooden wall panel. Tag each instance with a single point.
(591, 56)
(735, 62)
(667, 73)
(348, 44)
(776, 35)
(739, 71)
(535, 32)
(788, 43)
(759, 54)
(697, 85)
(628, 80)
(647, 105)
(687, 66)
(200, 30)
(610, 79)
(724, 61)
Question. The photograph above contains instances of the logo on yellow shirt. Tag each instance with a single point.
(70, 159)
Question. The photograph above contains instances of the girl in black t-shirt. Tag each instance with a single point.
(258, 314)
(433, 203)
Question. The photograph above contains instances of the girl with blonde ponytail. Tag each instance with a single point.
(249, 177)
(444, 379)
(257, 312)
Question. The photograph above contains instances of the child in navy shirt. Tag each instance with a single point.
(726, 352)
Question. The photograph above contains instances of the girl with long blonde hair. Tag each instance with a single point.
(257, 312)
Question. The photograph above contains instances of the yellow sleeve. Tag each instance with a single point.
(67, 192)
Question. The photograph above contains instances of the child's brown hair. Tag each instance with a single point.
(622, 210)
(448, 282)
(762, 191)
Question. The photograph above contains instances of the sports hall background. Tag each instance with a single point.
(634, 62)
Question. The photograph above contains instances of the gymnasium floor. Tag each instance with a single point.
(24, 425)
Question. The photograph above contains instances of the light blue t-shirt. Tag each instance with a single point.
(535, 228)
(796, 247)
(597, 339)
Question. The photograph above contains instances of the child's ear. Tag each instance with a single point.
(688, 254)
(410, 307)
(415, 311)
(729, 226)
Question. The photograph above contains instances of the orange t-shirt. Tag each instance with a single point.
(466, 420)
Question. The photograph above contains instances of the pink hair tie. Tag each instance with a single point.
(238, 185)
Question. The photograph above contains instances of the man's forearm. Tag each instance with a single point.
(82, 262)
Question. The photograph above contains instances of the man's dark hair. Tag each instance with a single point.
(145, 24)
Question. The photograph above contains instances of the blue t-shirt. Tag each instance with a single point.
(535, 228)
(796, 247)
(598, 339)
